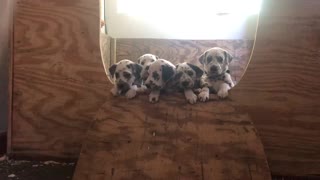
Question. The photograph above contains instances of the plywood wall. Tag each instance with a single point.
(58, 79)
(281, 87)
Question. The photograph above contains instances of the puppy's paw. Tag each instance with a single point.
(114, 91)
(223, 93)
(192, 98)
(153, 98)
(203, 96)
(131, 93)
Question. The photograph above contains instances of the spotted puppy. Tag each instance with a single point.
(160, 75)
(126, 75)
(187, 78)
(215, 63)
(145, 61)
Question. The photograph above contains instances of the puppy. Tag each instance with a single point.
(187, 78)
(160, 75)
(215, 63)
(126, 75)
(145, 61)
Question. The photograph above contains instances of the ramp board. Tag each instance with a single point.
(171, 140)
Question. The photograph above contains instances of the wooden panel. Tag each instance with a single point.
(171, 140)
(58, 81)
(186, 51)
(281, 87)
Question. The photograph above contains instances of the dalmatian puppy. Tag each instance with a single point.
(160, 76)
(217, 78)
(127, 77)
(187, 78)
(145, 61)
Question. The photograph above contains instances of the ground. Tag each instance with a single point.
(35, 170)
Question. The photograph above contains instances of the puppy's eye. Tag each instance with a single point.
(152, 60)
(190, 73)
(209, 59)
(128, 66)
(117, 75)
(147, 68)
(219, 59)
(127, 75)
(142, 63)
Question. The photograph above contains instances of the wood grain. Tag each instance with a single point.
(186, 51)
(280, 90)
(132, 139)
(58, 77)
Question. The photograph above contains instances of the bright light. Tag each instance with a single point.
(184, 19)
(187, 7)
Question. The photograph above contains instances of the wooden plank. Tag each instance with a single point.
(58, 77)
(280, 90)
(171, 140)
(186, 51)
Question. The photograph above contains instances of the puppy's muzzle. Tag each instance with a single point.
(123, 86)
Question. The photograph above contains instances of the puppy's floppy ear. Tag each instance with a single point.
(112, 69)
(136, 70)
(228, 56)
(198, 71)
(202, 58)
(167, 72)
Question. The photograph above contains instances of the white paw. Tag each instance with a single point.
(114, 91)
(131, 93)
(203, 96)
(223, 93)
(153, 98)
(192, 98)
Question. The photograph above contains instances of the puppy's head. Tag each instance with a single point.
(215, 61)
(159, 73)
(145, 61)
(125, 73)
(186, 75)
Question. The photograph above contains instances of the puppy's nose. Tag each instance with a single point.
(213, 69)
(120, 86)
(185, 83)
(148, 86)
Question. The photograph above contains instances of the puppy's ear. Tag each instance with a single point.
(167, 72)
(228, 56)
(112, 69)
(198, 70)
(202, 58)
(136, 70)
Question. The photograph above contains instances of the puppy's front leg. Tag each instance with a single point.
(114, 91)
(132, 92)
(204, 94)
(190, 96)
(223, 90)
(154, 96)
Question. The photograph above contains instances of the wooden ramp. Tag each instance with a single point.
(171, 140)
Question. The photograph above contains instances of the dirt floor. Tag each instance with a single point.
(35, 170)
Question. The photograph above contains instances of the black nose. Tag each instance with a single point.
(213, 69)
(185, 83)
(148, 86)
